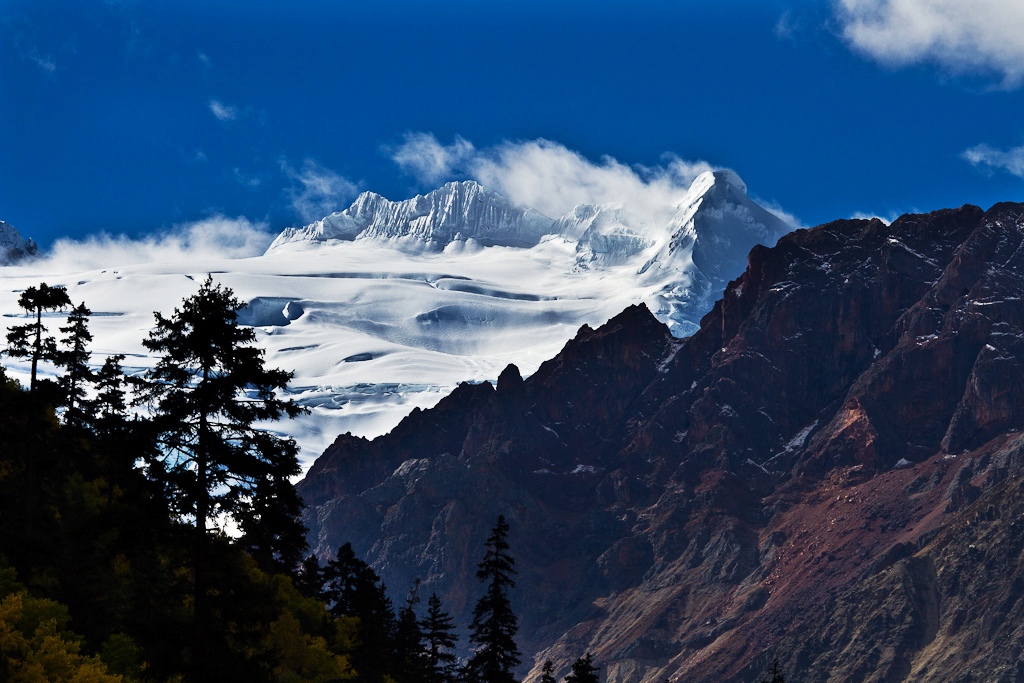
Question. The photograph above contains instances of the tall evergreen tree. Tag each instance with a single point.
(111, 405)
(547, 672)
(439, 639)
(310, 579)
(74, 358)
(353, 589)
(272, 530)
(31, 341)
(410, 650)
(206, 393)
(583, 671)
(494, 624)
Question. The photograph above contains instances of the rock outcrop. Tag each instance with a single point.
(827, 472)
(14, 247)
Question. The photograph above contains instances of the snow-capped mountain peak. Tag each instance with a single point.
(388, 305)
(684, 263)
(458, 211)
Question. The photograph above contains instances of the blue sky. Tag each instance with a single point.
(142, 117)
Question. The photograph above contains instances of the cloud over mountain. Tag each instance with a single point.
(317, 190)
(217, 236)
(550, 177)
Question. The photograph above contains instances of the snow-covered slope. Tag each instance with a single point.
(13, 247)
(386, 306)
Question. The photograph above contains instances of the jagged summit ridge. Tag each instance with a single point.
(458, 211)
(14, 247)
(683, 263)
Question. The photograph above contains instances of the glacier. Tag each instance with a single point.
(386, 306)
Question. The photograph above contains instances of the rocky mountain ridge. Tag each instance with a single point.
(828, 471)
(14, 247)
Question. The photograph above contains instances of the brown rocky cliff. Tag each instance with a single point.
(790, 481)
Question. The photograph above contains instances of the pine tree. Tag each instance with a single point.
(583, 671)
(547, 672)
(410, 650)
(494, 624)
(111, 404)
(310, 579)
(206, 393)
(439, 638)
(122, 441)
(208, 389)
(31, 341)
(353, 589)
(272, 530)
(75, 361)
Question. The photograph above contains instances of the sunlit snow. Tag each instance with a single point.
(375, 324)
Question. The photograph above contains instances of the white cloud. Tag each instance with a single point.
(428, 160)
(867, 215)
(1011, 160)
(317, 190)
(222, 111)
(982, 35)
(774, 207)
(214, 237)
(786, 26)
(551, 178)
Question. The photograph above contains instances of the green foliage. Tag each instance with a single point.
(494, 624)
(35, 643)
(93, 521)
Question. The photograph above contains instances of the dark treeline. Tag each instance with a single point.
(113, 494)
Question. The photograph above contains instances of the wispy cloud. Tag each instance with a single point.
(1010, 160)
(222, 111)
(867, 215)
(316, 190)
(977, 36)
(786, 26)
(246, 180)
(217, 236)
(550, 177)
(25, 37)
(45, 63)
(426, 159)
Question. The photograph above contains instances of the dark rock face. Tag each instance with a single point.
(14, 247)
(827, 472)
